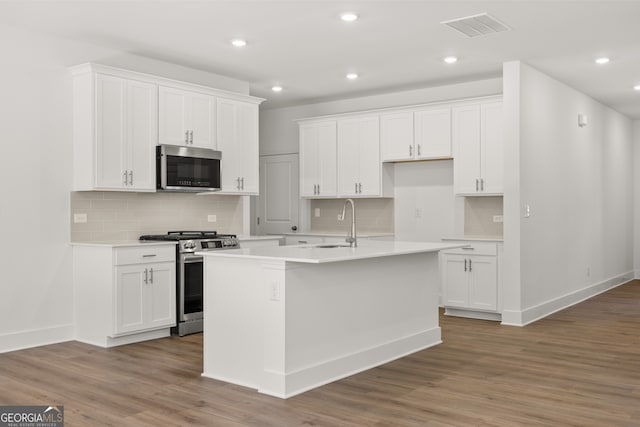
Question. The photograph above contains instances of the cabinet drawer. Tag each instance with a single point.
(475, 249)
(145, 254)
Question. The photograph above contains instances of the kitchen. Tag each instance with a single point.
(37, 90)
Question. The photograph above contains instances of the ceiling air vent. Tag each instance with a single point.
(477, 25)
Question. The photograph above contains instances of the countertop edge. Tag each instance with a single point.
(124, 244)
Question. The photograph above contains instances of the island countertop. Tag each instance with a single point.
(315, 254)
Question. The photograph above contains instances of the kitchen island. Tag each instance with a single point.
(286, 319)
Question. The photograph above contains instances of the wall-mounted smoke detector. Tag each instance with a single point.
(477, 25)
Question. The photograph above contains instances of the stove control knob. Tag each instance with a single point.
(189, 244)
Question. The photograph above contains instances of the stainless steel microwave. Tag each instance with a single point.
(187, 169)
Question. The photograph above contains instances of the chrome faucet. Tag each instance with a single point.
(351, 238)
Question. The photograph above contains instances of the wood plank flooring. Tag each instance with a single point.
(578, 367)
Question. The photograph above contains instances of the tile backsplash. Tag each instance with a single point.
(372, 215)
(124, 216)
(478, 217)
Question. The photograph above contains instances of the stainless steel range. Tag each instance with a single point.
(189, 278)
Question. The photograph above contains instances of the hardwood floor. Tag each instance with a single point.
(578, 367)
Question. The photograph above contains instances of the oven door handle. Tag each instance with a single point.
(192, 259)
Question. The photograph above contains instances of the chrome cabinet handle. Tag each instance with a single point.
(242, 182)
(125, 178)
(130, 177)
(360, 188)
(356, 185)
(482, 184)
(410, 150)
(318, 189)
(419, 150)
(191, 137)
(469, 265)
(186, 136)
(151, 275)
(149, 255)
(146, 276)
(465, 264)
(476, 184)
(238, 183)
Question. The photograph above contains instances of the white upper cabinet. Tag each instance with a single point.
(359, 166)
(318, 159)
(432, 134)
(416, 135)
(186, 118)
(478, 149)
(238, 142)
(115, 133)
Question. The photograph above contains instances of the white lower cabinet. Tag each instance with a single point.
(124, 294)
(144, 297)
(470, 280)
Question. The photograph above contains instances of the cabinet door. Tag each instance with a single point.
(348, 157)
(433, 134)
(160, 307)
(455, 280)
(492, 161)
(172, 117)
(483, 288)
(110, 132)
(247, 129)
(130, 299)
(368, 156)
(396, 136)
(228, 145)
(308, 160)
(326, 166)
(142, 128)
(466, 149)
(202, 115)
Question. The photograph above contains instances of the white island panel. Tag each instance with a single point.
(284, 327)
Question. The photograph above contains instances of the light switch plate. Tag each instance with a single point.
(80, 218)
(212, 218)
(497, 218)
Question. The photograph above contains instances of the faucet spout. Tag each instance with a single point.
(351, 237)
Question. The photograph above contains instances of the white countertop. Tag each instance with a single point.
(316, 255)
(244, 237)
(123, 244)
(335, 234)
(474, 239)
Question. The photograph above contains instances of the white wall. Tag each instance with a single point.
(36, 285)
(636, 196)
(578, 182)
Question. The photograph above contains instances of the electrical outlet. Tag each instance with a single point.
(497, 218)
(527, 211)
(317, 212)
(274, 291)
(80, 218)
(212, 218)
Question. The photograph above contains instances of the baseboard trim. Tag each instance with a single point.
(540, 311)
(36, 337)
(285, 385)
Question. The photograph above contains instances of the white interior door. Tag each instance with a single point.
(279, 198)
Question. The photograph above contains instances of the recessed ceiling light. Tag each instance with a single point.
(349, 16)
(636, 87)
(602, 60)
(352, 76)
(277, 88)
(239, 42)
(450, 59)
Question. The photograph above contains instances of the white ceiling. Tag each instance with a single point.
(396, 44)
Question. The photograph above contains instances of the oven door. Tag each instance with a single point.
(190, 295)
